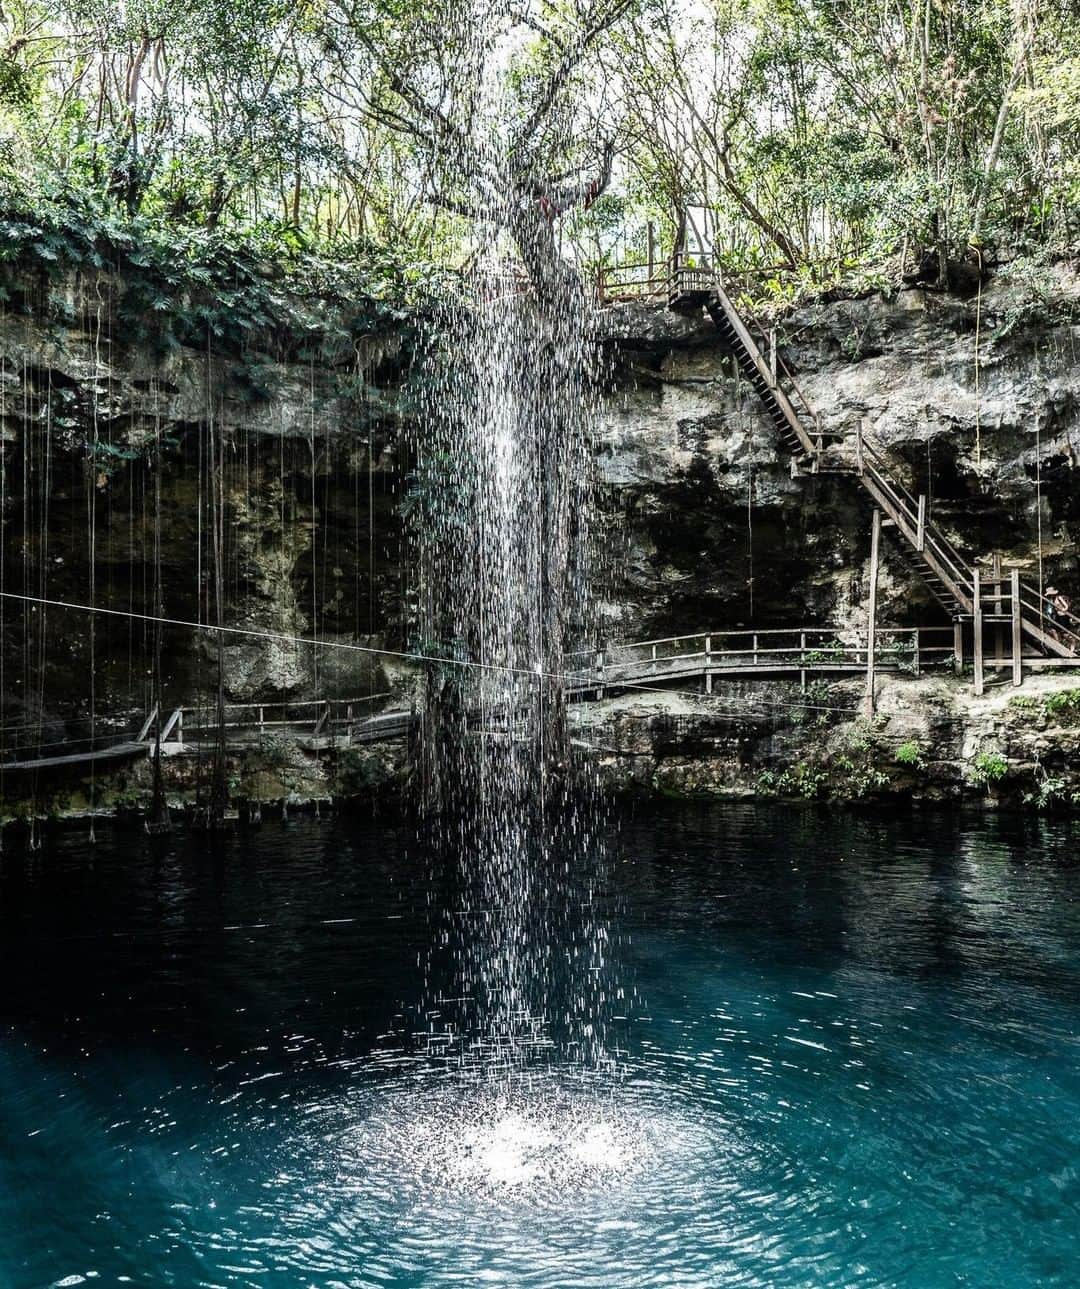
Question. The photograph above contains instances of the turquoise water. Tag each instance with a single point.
(848, 1056)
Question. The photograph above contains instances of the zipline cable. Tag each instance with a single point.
(251, 632)
(349, 646)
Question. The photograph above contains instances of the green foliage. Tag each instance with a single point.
(856, 778)
(858, 770)
(989, 768)
(803, 780)
(831, 651)
(836, 135)
(358, 771)
(1032, 297)
(254, 296)
(1025, 703)
(851, 772)
(1054, 98)
(108, 457)
(815, 711)
(276, 752)
(828, 137)
(1063, 707)
(1049, 792)
(909, 755)
(898, 652)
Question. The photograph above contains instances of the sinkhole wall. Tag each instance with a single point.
(976, 402)
(119, 451)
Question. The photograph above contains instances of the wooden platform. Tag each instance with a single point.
(771, 654)
(118, 752)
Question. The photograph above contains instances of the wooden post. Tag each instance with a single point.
(1017, 663)
(958, 645)
(802, 659)
(772, 353)
(871, 625)
(755, 648)
(858, 447)
(653, 667)
(920, 532)
(650, 233)
(976, 609)
(708, 664)
(999, 627)
(600, 674)
(915, 643)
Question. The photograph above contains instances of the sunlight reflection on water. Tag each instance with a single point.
(508, 1142)
(547, 1180)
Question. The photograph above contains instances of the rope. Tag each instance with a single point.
(978, 401)
(1038, 509)
(251, 632)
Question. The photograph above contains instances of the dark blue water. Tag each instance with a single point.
(853, 1060)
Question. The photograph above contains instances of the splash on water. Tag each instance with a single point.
(524, 1143)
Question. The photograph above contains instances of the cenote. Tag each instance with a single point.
(847, 1055)
(539, 652)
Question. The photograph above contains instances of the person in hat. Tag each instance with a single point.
(1057, 606)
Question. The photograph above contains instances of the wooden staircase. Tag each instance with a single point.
(958, 585)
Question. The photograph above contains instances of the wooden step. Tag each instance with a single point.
(1048, 641)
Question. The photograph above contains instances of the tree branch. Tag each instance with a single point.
(564, 69)
(558, 200)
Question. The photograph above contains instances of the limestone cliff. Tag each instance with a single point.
(976, 401)
(701, 523)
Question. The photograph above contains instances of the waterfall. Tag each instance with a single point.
(499, 521)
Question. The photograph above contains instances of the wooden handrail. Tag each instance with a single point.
(763, 368)
(750, 632)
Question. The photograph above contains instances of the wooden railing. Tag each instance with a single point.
(767, 652)
(643, 281)
(315, 715)
(659, 280)
(136, 730)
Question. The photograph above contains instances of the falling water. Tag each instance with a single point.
(500, 522)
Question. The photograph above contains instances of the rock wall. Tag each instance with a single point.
(114, 455)
(930, 737)
(976, 402)
(700, 525)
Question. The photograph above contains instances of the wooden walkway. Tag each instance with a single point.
(696, 660)
(193, 731)
(776, 654)
(124, 751)
(782, 654)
